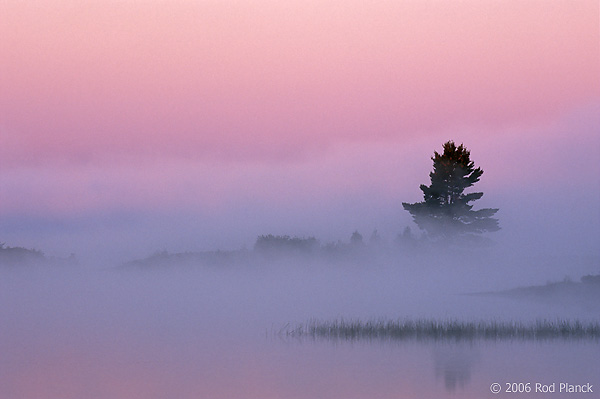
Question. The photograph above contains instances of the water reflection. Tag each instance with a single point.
(180, 337)
(454, 363)
(430, 369)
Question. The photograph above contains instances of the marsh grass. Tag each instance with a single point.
(431, 329)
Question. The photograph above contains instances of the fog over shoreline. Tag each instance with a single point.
(545, 188)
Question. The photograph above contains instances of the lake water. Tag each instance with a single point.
(215, 334)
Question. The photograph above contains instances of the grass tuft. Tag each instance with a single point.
(432, 329)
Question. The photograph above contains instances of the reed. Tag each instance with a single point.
(432, 329)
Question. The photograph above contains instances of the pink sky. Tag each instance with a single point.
(93, 80)
(206, 106)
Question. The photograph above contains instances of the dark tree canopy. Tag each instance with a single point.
(271, 243)
(445, 211)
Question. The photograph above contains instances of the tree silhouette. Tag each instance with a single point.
(445, 212)
(356, 239)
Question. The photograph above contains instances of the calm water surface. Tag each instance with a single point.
(215, 335)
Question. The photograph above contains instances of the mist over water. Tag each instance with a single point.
(206, 331)
(143, 312)
(145, 145)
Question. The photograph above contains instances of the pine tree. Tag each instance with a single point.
(445, 212)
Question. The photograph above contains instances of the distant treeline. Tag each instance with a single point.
(591, 279)
(265, 247)
(206, 258)
(19, 256)
(274, 247)
(284, 244)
